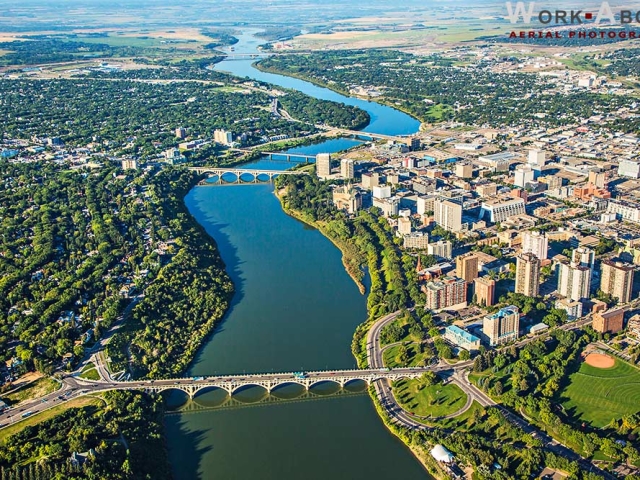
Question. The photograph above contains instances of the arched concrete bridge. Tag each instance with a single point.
(268, 381)
(239, 172)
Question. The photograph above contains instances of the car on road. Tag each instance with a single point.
(44, 400)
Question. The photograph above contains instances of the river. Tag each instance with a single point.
(295, 309)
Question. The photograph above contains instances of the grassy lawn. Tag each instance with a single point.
(89, 372)
(598, 395)
(47, 414)
(435, 400)
(37, 389)
(391, 356)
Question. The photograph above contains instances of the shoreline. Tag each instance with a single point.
(340, 91)
(423, 459)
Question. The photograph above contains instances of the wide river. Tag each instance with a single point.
(295, 309)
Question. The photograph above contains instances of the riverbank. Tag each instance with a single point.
(379, 100)
(358, 349)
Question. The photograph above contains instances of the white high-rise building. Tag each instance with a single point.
(536, 158)
(382, 191)
(346, 168)
(629, 168)
(536, 243)
(448, 214)
(323, 165)
(523, 175)
(574, 281)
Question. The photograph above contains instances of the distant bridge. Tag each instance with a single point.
(289, 157)
(232, 383)
(257, 175)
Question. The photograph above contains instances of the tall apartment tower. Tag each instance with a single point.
(584, 256)
(467, 267)
(346, 168)
(323, 165)
(502, 326)
(616, 279)
(485, 291)
(536, 243)
(448, 214)
(574, 281)
(181, 133)
(528, 274)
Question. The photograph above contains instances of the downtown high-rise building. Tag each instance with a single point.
(448, 214)
(323, 165)
(574, 281)
(347, 168)
(484, 291)
(502, 326)
(528, 274)
(536, 243)
(467, 267)
(616, 279)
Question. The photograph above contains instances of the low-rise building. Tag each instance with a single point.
(610, 321)
(461, 338)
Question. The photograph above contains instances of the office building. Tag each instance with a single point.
(370, 180)
(464, 170)
(323, 165)
(382, 192)
(445, 292)
(390, 206)
(181, 133)
(629, 168)
(572, 307)
(536, 243)
(574, 281)
(616, 279)
(528, 274)
(448, 214)
(415, 144)
(502, 326)
(523, 175)
(598, 179)
(611, 321)
(485, 291)
(440, 249)
(404, 226)
(499, 210)
(222, 136)
(416, 240)
(347, 168)
(173, 156)
(624, 210)
(536, 158)
(467, 267)
(461, 338)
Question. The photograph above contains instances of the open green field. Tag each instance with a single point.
(392, 358)
(598, 395)
(37, 389)
(89, 372)
(435, 400)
